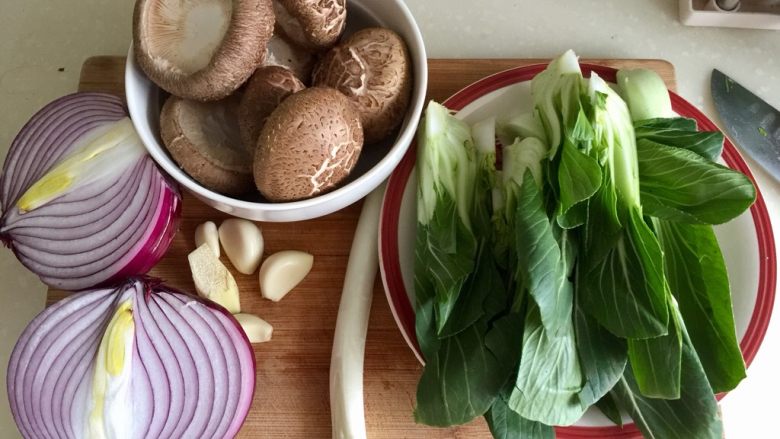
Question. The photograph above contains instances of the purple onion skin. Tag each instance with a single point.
(24, 362)
(49, 135)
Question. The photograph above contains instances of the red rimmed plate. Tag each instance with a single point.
(747, 242)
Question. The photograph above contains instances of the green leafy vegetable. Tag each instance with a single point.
(645, 92)
(549, 379)
(602, 358)
(680, 132)
(572, 276)
(680, 185)
(698, 278)
(520, 127)
(539, 258)
(610, 409)
(623, 288)
(505, 423)
(655, 362)
(461, 380)
(446, 246)
(693, 415)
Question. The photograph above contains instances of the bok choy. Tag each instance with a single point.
(584, 270)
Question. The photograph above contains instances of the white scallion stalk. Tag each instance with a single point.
(349, 341)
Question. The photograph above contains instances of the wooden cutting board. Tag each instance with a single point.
(291, 396)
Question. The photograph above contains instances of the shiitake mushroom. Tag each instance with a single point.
(201, 49)
(308, 145)
(311, 24)
(372, 68)
(203, 138)
(266, 89)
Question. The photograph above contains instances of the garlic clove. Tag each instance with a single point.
(206, 233)
(282, 271)
(243, 244)
(256, 329)
(213, 280)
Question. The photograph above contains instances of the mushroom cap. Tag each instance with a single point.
(372, 68)
(202, 137)
(312, 24)
(308, 146)
(285, 53)
(201, 50)
(266, 89)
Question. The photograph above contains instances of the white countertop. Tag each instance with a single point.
(44, 42)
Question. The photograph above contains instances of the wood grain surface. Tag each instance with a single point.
(291, 395)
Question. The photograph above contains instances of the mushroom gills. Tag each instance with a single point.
(187, 34)
(283, 53)
(201, 49)
(203, 138)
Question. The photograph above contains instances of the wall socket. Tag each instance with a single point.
(755, 14)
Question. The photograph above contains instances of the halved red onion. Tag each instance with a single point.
(182, 368)
(116, 221)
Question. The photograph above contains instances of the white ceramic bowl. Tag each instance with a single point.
(145, 99)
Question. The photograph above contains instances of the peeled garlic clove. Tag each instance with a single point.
(206, 233)
(243, 244)
(256, 329)
(282, 271)
(213, 280)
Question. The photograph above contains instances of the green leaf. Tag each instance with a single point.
(694, 415)
(539, 259)
(444, 253)
(681, 133)
(655, 362)
(549, 379)
(602, 234)
(425, 326)
(505, 423)
(445, 247)
(626, 292)
(579, 177)
(680, 185)
(602, 357)
(461, 380)
(610, 409)
(698, 279)
(486, 281)
(647, 127)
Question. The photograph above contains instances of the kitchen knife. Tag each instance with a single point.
(750, 122)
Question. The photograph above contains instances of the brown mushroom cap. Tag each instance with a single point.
(313, 24)
(284, 53)
(201, 50)
(202, 137)
(308, 146)
(268, 87)
(373, 70)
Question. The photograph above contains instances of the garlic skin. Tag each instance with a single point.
(206, 233)
(256, 329)
(213, 280)
(282, 271)
(243, 243)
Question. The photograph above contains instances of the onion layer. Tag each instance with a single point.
(137, 361)
(81, 203)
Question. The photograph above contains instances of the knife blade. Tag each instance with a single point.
(751, 123)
